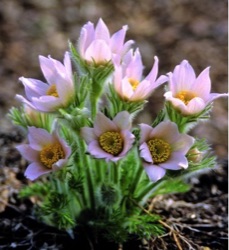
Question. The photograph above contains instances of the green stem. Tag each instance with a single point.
(89, 183)
(137, 178)
(147, 192)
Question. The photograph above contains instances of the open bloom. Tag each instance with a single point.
(96, 44)
(109, 139)
(46, 151)
(57, 92)
(128, 80)
(188, 94)
(163, 147)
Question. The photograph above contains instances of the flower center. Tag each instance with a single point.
(133, 82)
(111, 142)
(51, 154)
(159, 149)
(52, 91)
(185, 96)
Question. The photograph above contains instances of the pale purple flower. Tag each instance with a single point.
(163, 147)
(187, 93)
(97, 45)
(57, 92)
(46, 152)
(109, 139)
(128, 78)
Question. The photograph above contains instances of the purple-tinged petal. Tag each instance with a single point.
(35, 170)
(145, 132)
(25, 101)
(128, 138)
(143, 91)
(88, 134)
(162, 79)
(98, 51)
(87, 35)
(65, 147)
(68, 64)
(28, 153)
(154, 71)
(48, 69)
(183, 77)
(161, 131)
(183, 143)
(214, 96)
(123, 120)
(175, 162)
(195, 106)
(202, 84)
(38, 138)
(134, 66)
(102, 32)
(145, 152)
(154, 172)
(47, 103)
(33, 87)
(95, 150)
(59, 164)
(103, 124)
(117, 40)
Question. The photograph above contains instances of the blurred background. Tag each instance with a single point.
(195, 30)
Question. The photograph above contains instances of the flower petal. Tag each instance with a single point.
(128, 138)
(103, 124)
(28, 153)
(145, 132)
(154, 172)
(95, 150)
(33, 87)
(35, 170)
(123, 120)
(176, 161)
(183, 143)
(145, 152)
(102, 32)
(88, 134)
(38, 138)
(98, 51)
(202, 85)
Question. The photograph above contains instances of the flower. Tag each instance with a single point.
(128, 81)
(109, 139)
(163, 147)
(59, 90)
(96, 44)
(188, 94)
(47, 152)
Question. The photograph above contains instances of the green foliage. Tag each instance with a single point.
(145, 226)
(117, 104)
(185, 123)
(171, 186)
(38, 189)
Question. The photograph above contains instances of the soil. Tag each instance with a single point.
(173, 30)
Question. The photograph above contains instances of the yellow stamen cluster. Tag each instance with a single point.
(134, 83)
(111, 142)
(159, 149)
(51, 154)
(185, 96)
(52, 91)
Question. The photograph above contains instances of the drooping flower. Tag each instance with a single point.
(97, 45)
(163, 147)
(46, 152)
(187, 93)
(109, 139)
(128, 78)
(57, 92)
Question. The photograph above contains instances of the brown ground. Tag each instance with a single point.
(171, 29)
